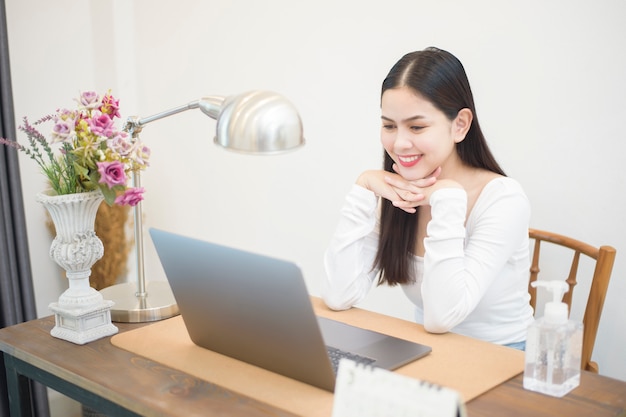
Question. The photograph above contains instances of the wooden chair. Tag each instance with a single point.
(604, 257)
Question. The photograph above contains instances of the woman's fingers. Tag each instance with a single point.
(412, 193)
(404, 205)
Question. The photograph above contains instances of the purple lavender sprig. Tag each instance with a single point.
(59, 170)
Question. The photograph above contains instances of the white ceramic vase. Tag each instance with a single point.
(81, 314)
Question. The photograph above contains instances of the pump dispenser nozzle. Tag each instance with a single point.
(556, 310)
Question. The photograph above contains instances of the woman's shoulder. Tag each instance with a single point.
(500, 185)
(503, 197)
(502, 188)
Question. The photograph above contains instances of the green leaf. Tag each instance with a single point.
(108, 193)
(81, 170)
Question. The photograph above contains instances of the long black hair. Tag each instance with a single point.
(439, 77)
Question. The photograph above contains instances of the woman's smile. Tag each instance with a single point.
(408, 161)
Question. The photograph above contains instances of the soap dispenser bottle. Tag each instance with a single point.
(553, 346)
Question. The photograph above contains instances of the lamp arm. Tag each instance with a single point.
(211, 106)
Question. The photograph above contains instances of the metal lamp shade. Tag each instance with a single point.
(259, 122)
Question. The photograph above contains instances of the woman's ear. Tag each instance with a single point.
(461, 124)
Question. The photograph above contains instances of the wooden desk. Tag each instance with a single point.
(120, 383)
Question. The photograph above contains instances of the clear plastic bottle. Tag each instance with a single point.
(553, 347)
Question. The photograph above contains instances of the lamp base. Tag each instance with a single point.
(158, 304)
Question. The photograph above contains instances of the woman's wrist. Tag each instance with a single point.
(365, 180)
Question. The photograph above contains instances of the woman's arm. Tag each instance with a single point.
(350, 256)
(457, 273)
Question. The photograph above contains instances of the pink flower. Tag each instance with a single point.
(111, 173)
(119, 145)
(131, 197)
(62, 130)
(89, 99)
(101, 124)
(141, 154)
(110, 106)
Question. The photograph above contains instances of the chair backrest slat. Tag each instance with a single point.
(571, 280)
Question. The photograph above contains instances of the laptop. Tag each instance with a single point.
(257, 309)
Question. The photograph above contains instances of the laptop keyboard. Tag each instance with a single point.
(336, 355)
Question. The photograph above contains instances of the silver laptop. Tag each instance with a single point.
(257, 309)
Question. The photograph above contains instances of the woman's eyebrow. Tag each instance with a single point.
(409, 119)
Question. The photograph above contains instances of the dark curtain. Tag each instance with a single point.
(17, 300)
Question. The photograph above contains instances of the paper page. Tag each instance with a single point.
(363, 391)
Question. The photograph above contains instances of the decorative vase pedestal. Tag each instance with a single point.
(81, 314)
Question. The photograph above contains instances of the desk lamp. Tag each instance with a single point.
(256, 122)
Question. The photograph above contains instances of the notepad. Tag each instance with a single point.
(364, 391)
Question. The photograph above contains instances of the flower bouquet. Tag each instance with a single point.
(91, 153)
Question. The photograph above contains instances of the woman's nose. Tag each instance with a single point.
(403, 139)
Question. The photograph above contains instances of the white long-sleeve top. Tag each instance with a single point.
(473, 278)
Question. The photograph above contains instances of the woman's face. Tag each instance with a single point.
(418, 136)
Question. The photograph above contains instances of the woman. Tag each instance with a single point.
(452, 229)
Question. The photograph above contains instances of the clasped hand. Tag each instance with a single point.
(403, 194)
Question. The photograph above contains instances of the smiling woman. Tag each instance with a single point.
(453, 229)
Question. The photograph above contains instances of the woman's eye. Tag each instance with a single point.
(388, 127)
(417, 128)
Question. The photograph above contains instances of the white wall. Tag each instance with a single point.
(547, 77)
